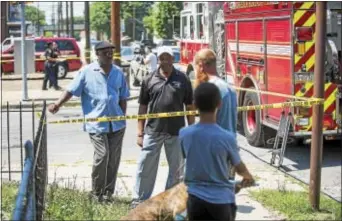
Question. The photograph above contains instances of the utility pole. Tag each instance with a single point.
(133, 23)
(62, 19)
(38, 23)
(53, 17)
(59, 11)
(116, 31)
(72, 19)
(67, 18)
(317, 119)
(87, 32)
(23, 53)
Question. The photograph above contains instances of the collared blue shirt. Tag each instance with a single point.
(100, 95)
(227, 114)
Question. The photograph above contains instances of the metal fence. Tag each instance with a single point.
(21, 119)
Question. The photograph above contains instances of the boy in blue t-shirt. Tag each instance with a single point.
(208, 148)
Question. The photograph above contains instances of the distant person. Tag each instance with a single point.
(104, 92)
(50, 68)
(151, 60)
(208, 149)
(165, 90)
(56, 53)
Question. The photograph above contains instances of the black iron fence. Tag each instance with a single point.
(18, 125)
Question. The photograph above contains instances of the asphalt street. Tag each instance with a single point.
(68, 144)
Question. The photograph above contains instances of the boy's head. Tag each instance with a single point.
(207, 98)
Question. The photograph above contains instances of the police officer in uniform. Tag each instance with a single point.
(50, 67)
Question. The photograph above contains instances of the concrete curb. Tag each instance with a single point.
(36, 104)
(20, 78)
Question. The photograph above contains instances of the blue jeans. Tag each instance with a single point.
(149, 160)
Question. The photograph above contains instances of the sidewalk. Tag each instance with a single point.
(77, 175)
(33, 76)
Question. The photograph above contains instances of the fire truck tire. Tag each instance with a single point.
(252, 126)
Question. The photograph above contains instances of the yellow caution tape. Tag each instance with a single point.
(185, 113)
(271, 93)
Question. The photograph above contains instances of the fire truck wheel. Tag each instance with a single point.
(252, 126)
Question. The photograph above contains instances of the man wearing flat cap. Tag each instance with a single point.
(165, 90)
(103, 91)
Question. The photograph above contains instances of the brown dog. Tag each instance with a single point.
(163, 206)
(166, 205)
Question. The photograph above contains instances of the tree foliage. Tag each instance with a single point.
(77, 20)
(100, 17)
(160, 18)
(100, 14)
(34, 15)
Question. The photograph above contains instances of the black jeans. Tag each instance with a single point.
(50, 75)
(199, 209)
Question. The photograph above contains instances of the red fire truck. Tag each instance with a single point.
(267, 46)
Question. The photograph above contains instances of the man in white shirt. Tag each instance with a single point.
(151, 60)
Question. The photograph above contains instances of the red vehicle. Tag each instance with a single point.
(67, 47)
(266, 46)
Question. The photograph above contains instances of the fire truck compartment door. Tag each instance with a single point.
(278, 62)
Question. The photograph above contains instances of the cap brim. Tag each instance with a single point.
(105, 47)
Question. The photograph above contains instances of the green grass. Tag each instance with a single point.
(67, 204)
(295, 205)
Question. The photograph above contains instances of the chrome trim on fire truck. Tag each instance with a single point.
(260, 18)
(309, 133)
(292, 67)
(270, 125)
(238, 72)
(264, 77)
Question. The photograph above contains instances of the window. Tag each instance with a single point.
(126, 51)
(199, 26)
(169, 43)
(184, 27)
(65, 45)
(192, 28)
(40, 46)
(199, 21)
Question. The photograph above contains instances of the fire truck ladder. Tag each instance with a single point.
(282, 135)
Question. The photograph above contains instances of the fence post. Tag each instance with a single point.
(24, 184)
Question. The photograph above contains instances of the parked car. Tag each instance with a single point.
(127, 54)
(168, 42)
(67, 47)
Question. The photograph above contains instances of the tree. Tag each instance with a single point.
(34, 15)
(100, 15)
(160, 18)
(134, 12)
(77, 20)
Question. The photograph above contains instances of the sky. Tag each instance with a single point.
(48, 6)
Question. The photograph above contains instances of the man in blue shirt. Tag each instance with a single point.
(205, 64)
(103, 91)
(208, 148)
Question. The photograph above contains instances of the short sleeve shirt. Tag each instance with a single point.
(227, 114)
(152, 66)
(50, 54)
(208, 149)
(100, 96)
(166, 95)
